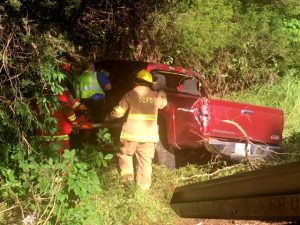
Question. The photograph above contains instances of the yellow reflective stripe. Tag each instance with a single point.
(72, 118)
(63, 137)
(76, 105)
(138, 138)
(142, 117)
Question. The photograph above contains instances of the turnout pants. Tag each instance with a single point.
(140, 153)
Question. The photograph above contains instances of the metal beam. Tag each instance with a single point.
(267, 194)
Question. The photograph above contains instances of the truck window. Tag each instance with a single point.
(177, 83)
(189, 86)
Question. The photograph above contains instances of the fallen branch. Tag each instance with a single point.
(14, 77)
(206, 175)
(5, 210)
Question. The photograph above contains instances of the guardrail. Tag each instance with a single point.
(265, 194)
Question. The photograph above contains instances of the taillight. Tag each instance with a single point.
(275, 137)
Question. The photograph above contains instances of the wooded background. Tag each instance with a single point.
(237, 45)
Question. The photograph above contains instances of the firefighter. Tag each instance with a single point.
(140, 131)
(66, 119)
(89, 88)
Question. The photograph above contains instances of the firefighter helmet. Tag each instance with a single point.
(144, 75)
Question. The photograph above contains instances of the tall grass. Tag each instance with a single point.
(129, 205)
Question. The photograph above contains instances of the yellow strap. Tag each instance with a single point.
(72, 118)
(142, 117)
(76, 104)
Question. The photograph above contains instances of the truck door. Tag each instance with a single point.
(182, 91)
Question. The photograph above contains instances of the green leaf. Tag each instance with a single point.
(108, 157)
(104, 163)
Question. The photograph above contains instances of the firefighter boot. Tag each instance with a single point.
(127, 179)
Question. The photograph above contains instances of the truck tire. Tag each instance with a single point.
(164, 157)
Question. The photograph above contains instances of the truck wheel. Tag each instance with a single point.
(164, 157)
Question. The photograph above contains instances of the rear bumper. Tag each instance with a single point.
(238, 150)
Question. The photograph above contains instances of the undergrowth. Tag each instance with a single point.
(84, 190)
(36, 189)
(130, 205)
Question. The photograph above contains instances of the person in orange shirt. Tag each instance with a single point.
(66, 119)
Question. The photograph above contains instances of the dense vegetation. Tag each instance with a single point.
(248, 51)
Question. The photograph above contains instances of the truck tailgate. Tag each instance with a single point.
(232, 120)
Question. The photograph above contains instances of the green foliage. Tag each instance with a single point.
(61, 189)
(128, 205)
(52, 190)
(234, 44)
(15, 4)
(292, 8)
(198, 25)
(104, 139)
(96, 154)
(31, 75)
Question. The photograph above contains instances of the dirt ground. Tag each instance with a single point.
(184, 221)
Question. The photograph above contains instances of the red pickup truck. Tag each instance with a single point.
(193, 120)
